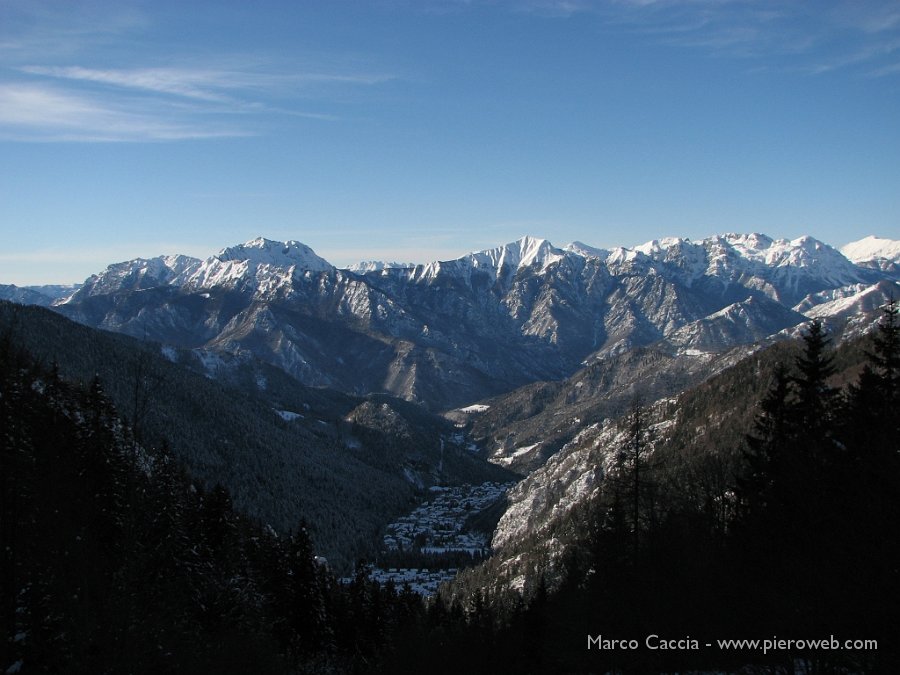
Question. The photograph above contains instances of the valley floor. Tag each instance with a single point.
(438, 537)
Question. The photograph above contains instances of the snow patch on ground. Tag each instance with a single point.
(412, 477)
(516, 454)
(845, 301)
(212, 363)
(169, 353)
(288, 416)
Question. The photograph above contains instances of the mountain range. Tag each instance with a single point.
(450, 333)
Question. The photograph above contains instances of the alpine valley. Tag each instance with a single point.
(484, 413)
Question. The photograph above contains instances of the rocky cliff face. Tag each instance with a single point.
(449, 333)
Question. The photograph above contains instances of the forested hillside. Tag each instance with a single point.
(760, 503)
(115, 559)
(284, 451)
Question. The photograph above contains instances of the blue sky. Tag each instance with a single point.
(417, 130)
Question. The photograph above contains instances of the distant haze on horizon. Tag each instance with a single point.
(417, 131)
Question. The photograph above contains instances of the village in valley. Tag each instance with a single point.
(448, 532)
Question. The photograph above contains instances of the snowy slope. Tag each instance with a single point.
(499, 263)
(134, 275)
(850, 301)
(872, 248)
(785, 270)
(259, 263)
(367, 266)
(585, 251)
(877, 254)
(452, 332)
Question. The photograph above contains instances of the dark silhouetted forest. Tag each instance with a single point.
(114, 559)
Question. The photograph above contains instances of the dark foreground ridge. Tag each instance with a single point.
(115, 560)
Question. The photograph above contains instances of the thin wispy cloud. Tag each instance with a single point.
(809, 37)
(30, 112)
(814, 38)
(890, 69)
(877, 52)
(50, 91)
(877, 18)
(202, 85)
(65, 29)
(555, 8)
(208, 84)
(159, 104)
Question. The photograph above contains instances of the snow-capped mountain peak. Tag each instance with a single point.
(366, 266)
(793, 267)
(804, 251)
(524, 252)
(137, 274)
(585, 251)
(261, 251)
(872, 248)
(456, 331)
(754, 241)
(263, 263)
(534, 251)
(656, 247)
(500, 262)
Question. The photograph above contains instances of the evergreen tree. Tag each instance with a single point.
(870, 431)
(874, 400)
(886, 355)
(814, 400)
(769, 448)
(632, 487)
(799, 423)
(303, 594)
(789, 492)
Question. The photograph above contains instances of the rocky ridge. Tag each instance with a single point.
(450, 333)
